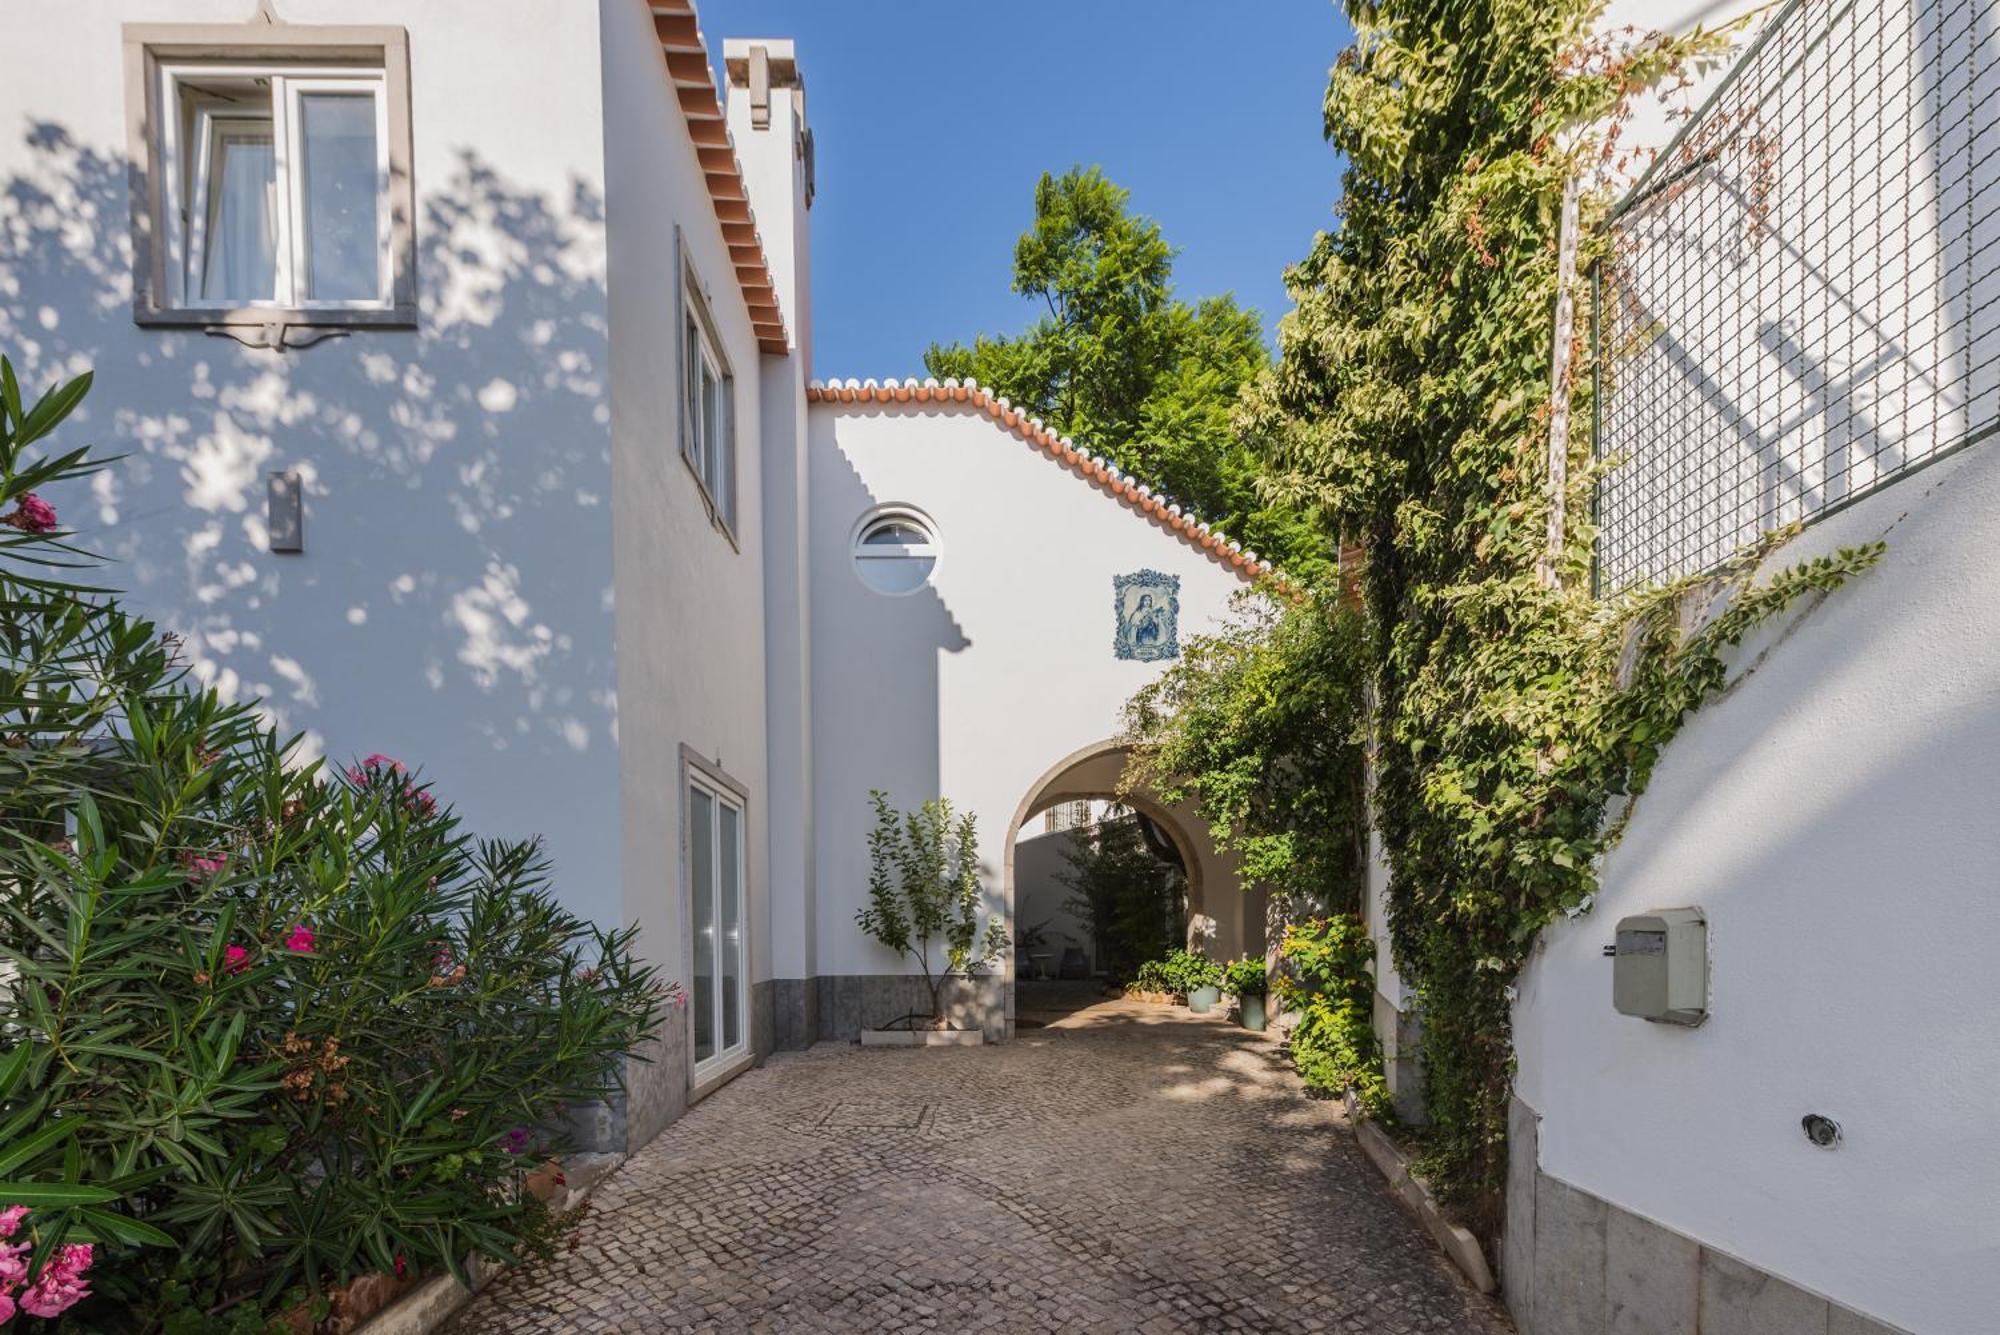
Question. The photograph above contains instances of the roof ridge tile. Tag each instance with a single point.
(1154, 504)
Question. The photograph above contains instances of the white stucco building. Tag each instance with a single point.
(581, 536)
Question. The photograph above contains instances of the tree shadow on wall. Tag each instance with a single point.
(432, 460)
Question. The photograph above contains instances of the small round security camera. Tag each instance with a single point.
(1821, 1131)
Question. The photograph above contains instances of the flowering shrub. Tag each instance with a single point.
(58, 1286)
(291, 1020)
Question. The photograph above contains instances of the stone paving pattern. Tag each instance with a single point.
(1127, 1168)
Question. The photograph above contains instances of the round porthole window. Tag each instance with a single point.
(895, 550)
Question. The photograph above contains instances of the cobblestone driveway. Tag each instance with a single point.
(1128, 1168)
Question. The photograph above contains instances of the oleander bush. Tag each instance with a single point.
(283, 1023)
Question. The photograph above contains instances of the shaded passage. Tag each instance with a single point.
(1126, 1167)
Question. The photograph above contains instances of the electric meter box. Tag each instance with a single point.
(1659, 967)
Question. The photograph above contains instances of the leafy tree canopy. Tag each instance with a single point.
(1118, 363)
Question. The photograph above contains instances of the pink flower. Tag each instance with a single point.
(378, 761)
(301, 940)
(200, 868)
(14, 1262)
(32, 514)
(7, 1309)
(60, 1286)
(420, 803)
(515, 1140)
(236, 959)
(10, 1219)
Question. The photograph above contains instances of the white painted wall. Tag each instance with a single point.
(1833, 816)
(453, 605)
(930, 693)
(1830, 814)
(774, 176)
(690, 601)
(1042, 895)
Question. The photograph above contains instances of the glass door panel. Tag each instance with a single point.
(701, 876)
(729, 887)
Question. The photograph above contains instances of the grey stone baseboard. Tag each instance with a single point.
(1576, 1264)
(848, 1003)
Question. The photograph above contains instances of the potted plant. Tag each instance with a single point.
(1244, 980)
(1197, 978)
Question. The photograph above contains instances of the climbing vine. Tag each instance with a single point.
(1260, 725)
(1514, 713)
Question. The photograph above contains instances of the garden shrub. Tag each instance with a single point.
(296, 1019)
(1330, 988)
(1244, 978)
(1188, 970)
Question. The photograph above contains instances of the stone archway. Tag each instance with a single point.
(1227, 920)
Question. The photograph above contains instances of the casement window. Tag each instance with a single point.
(708, 411)
(277, 185)
(719, 994)
(895, 550)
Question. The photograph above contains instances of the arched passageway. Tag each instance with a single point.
(1221, 919)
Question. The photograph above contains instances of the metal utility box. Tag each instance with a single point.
(1659, 968)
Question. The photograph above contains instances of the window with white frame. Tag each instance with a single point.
(277, 175)
(281, 180)
(895, 550)
(707, 412)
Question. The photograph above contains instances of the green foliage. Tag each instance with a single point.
(1244, 978)
(1188, 970)
(1119, 364)
(1330, 986)
(1260, 725)
(1152, 976)
(924, 891)
(1131, 900)
(1411, 408)
(294, 1019)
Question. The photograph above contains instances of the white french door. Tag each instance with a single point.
(719, 997)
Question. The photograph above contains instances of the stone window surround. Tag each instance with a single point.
(147, 45)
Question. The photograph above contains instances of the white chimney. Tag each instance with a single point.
(767, 119)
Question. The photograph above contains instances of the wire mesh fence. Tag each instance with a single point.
(1799, 305)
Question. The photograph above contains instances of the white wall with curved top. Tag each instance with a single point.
(995, 672)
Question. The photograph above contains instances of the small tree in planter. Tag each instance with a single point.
(924, 891)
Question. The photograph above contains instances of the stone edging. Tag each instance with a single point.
(437, 1300)
(1456, 1241)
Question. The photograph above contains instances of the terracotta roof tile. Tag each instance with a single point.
(686, 53)
(1160, 509)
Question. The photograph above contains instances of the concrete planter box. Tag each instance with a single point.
(922, 1038)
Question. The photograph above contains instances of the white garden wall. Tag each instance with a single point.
(980, 684)
(1830, 812)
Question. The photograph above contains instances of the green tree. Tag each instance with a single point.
(1261, 726)
(924, 891)
(1118, 363)
(1131, 899)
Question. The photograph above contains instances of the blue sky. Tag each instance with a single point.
(932, 121)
